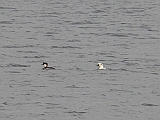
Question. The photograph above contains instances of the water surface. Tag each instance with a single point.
(73, 36)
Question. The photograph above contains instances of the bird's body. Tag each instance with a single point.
(101, 66)
(46, 66)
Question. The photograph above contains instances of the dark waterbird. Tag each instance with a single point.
(46, 66)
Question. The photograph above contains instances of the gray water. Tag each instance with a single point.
(73, 36)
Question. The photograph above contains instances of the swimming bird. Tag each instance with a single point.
(46, 66)
(100, 66)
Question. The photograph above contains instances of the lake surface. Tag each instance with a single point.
(73, 36)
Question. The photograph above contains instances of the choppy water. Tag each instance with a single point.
(72, 36)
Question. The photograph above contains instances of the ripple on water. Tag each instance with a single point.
(18, 46)
(17, 65)
(149, 104)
